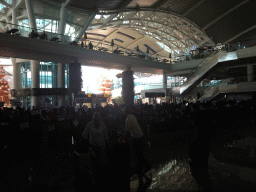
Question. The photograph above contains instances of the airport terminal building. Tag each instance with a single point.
(193, 45)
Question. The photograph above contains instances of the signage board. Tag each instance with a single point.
(16, 103)
(154, 94)
(83, 100)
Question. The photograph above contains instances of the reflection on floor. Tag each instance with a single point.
(170, 172)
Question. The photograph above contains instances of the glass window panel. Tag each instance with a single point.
(48, 26)
(54, 26)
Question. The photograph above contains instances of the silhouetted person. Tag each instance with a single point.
(133, 127)
(228, 47)
(90, 45)
(43, 36)
(198, 95)
(98, 136)
(82, 44)
(199, 150)
(33, 34)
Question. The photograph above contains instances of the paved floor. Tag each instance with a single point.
(47, 171)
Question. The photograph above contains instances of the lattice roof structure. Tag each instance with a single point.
(159, 27)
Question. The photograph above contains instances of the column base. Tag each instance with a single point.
(35, 101)
(62, 100)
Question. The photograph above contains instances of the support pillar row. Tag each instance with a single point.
(75, 80)
(16, 76)
(167, 97)
(250, 75)
(35, 81)
(128, 87)
(61, 83)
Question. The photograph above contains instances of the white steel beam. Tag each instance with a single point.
(31, 16)
(158, 35)
(223, 15)
(193, 8)
(14, 15)
(4, 3)
(238, 35)
(126, 17)
(18, 4)
(86, 24)
(62, 23)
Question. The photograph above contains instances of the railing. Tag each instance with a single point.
(235, 80)
(66, 39)
(203, 62)
(25, 31)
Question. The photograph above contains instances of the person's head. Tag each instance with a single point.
(44, 113)
(33, 31)
(127, 111)
(96, 119)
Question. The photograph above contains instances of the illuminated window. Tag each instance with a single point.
(163, 46)
(97, 16)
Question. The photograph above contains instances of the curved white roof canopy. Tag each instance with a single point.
(163, 26)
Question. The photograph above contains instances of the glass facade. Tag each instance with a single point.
(146, 83)
(48, 76)
(47, 25)
(3, 6)
(50, 27)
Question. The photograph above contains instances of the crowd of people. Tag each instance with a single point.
(26, 132)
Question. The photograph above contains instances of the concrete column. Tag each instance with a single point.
(61, 82)
(164, 80)
(31, 16)
(35, 81)
(16, 76)
(62, 23)
(167, 97)
(14, 15)
(128, 87)
(75, 80)
(250, 76)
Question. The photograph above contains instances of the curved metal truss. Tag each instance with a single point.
(173, 30)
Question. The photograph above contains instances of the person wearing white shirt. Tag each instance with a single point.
(133, 127)
(98, 134)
